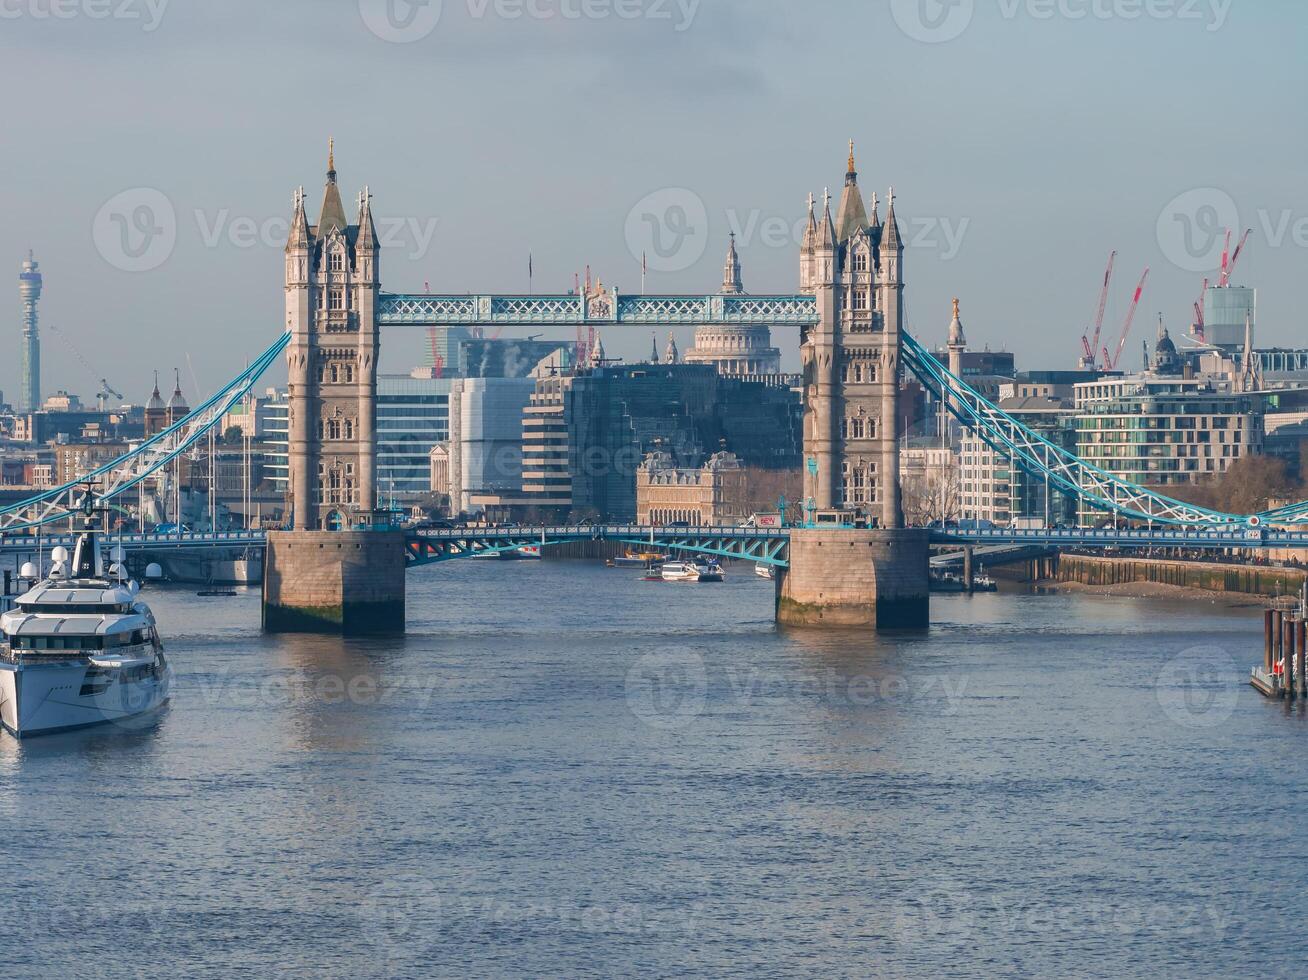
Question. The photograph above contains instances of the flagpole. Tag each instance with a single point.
(642, 273)
(529, 274)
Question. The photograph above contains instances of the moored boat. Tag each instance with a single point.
(80, 648)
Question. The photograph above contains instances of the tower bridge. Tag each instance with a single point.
(339, 566)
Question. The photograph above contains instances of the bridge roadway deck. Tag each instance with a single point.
(766, 545)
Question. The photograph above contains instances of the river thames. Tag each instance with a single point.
(562, 770)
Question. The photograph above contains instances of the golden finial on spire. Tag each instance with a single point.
(331, 153)
(851, 156)
(955, 307)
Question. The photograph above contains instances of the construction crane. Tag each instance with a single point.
(106, 390)
(1197, 328)
(1229, 258)
(1088, 345)
(437, 362)
(1110, 364)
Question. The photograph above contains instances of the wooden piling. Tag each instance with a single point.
(1266, 640)
(1278, 653)
(1301, 644)
(1287, 630)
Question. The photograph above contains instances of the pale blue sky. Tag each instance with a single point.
(1022, 151)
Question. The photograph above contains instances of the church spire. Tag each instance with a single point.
(672, 355)
(731, 284)
(332, 217)
(653, 347)
(1251, 368)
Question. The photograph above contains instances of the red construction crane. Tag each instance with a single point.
(1088, 346)
(437, 362)
(1198, 328)
(1228, 264)
(1111, 365)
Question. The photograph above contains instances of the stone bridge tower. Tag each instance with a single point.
(853, 265)
(336, 570)
(859, 566)
(332, 281)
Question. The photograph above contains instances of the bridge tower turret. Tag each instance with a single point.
(332, 286)
(853, 267)
(842, 575)
(335, 571)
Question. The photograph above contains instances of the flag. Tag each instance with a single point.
(528, 265)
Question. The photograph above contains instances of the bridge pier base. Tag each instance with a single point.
(347, 582)
(856, 578)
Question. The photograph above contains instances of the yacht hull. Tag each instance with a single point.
(42, 699)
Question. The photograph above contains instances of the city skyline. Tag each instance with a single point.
(572, 188)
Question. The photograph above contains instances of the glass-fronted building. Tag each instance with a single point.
(1161, 431)
(412, 417)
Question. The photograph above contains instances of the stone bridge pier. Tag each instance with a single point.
(854, 577)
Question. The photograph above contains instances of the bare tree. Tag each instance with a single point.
(933, 495)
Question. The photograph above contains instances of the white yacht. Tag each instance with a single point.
(691, 571)
(80, 648)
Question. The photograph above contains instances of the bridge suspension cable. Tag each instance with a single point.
(1043, 459)
(131, 468)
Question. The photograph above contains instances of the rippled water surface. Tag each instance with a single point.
(561, 770)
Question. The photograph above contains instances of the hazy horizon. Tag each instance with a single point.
(1023, 148)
